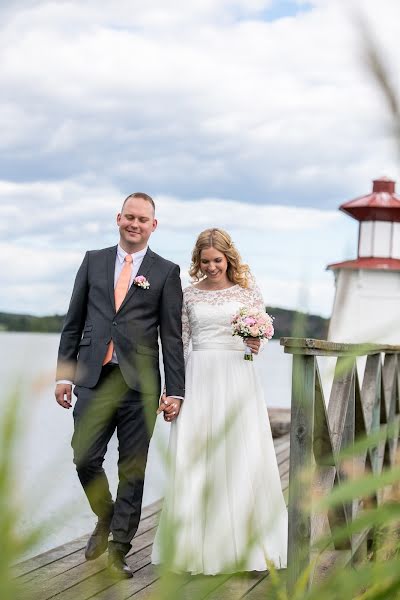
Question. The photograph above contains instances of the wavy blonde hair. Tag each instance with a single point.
(237, 272)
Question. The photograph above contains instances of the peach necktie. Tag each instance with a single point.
(121, 289)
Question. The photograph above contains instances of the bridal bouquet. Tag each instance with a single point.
(250, 322)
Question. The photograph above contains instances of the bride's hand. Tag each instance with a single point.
(253, 343)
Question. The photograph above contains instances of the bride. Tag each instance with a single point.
(224, 510)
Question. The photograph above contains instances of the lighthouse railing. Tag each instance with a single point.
(320, 435)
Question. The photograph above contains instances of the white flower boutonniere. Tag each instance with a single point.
(142, 282)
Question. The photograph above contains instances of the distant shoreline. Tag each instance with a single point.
(287, 323)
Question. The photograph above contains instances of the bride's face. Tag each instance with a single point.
(213, 264)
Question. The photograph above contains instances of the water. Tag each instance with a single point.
(48, 488)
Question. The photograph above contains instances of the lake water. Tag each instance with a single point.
(47, 485)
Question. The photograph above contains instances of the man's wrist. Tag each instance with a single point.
(67, 381)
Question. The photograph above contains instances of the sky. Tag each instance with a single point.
(259, 116)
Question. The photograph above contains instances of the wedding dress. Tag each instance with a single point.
(224, 510)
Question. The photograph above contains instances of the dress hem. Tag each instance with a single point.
(213, 573)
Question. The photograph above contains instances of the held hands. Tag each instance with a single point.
(170, 407)
(63, 394)
(253, 343)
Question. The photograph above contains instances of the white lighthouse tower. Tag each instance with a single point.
(367, 299)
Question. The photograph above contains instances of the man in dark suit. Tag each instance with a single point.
(124, 298)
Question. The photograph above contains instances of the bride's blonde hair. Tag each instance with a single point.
(219, 239)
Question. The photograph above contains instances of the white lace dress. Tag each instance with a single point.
(224, 510)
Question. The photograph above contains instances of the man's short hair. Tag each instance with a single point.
(140, 195)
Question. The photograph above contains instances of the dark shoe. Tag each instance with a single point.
(117, 565)
(98, 541)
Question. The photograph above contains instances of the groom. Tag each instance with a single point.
(123, 298)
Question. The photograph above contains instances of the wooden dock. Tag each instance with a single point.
(64, 573)
(317, 433)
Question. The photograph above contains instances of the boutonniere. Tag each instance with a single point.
(142, 282)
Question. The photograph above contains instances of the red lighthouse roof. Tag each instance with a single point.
(370, 264)
(383, 204)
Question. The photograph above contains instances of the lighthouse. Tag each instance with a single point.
(367, 299)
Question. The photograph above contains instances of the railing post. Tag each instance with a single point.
(301, 448)
(351, 413)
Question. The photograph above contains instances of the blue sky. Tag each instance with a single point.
(256, 115)
(285, 8)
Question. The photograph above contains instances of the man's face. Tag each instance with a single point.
(136, 223)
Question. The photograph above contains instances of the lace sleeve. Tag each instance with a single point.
(186, 331)
(257, 301)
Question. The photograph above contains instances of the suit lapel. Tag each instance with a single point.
(111, 257)
(145, 267)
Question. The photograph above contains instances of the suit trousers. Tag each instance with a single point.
(111, 405)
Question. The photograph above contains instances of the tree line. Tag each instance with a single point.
(286, 323)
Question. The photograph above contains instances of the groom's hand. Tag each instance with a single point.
(63, 394)
(170, 406)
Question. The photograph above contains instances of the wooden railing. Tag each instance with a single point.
(319, 433)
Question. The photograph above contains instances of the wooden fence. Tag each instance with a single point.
(319, 433)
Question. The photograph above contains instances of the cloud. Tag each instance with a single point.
(314, 298)
(230, 214)
(45, 229)
(228, 112)
(52, 212)
(153, 92)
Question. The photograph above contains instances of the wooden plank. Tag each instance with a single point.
(322, 485)
(363, 461)
(336, 348)
(262, 590)
(130, 588)
(63, 571)
(167, 586)
(237, 586)
(222, 587)
(283, 456)
(103, 583)
(341, 421)
(389, 385)
(282, 441)
(322, 444)
(301, 439)
(279, 419)
(348, 440)
(200, 586)
(316, 352)
(71, 576)
(370, 392)
(389, 377)
(284, 469)
(37, 562)
(73, 560)
(328, 560)
(342, 386)
(283, 453)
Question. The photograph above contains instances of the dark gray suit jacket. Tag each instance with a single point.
(91, 322)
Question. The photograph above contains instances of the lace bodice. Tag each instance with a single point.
(206, 316)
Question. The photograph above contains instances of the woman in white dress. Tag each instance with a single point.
(224, 510)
